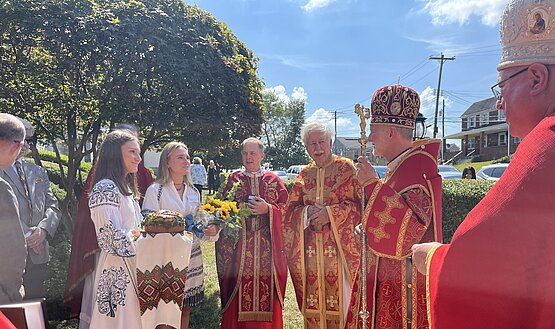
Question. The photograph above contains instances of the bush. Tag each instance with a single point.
(459, 197)
(505, 159)
(51, 157)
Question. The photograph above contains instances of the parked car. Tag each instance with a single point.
(492, 172)
(449, 172)
(293, 171)
(381, 171)
(281, 174)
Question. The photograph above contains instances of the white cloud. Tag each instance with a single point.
(428, 107)
(316, 4)
(280, 92)
(323, 116)
(299, 94)
(460, 11)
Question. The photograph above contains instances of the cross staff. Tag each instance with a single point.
(364, 114)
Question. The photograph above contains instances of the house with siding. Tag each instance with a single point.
(485, 132)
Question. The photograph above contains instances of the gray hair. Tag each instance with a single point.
(11, 129)
(406, 133)
(316, 127)
(197, 160)
(253, 140)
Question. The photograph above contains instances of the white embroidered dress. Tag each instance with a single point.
(115, 301)
(166, 198)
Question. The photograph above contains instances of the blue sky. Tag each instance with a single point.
(336, 53)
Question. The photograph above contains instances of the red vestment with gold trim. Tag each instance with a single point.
(253, 273)
(499, 269)
(322, 261)
(403, 209)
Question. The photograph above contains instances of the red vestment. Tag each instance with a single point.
(322, 261)
(402, 210)
(499, 269)
(84, 244)
(253, 273)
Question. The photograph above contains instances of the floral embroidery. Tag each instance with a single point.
(111, 290)
(104, 193)
(114, 241)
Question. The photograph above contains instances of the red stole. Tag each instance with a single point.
(499, 269)
(84, 245)
(403, 209)
(255, 269)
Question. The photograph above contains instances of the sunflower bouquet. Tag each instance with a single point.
(224, 213)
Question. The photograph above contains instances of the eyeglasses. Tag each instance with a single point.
(496, 88)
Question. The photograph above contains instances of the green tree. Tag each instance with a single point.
(76, 67)
(281, 133)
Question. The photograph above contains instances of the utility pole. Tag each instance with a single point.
(442, 60)
(443, 144)
(335, 131)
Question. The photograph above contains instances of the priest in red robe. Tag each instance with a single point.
(402, 209)
(499, 269)
(252, 272)
(320, 217)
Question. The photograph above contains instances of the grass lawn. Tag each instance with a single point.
(476, 165)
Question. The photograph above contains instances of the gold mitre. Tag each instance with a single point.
(527, 33)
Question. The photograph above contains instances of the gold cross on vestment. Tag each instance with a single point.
(310, 252)
(332, 301)
(311, 300)
(330, 252)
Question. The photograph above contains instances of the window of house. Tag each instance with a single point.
(502, 138)
(484, 119)
(472, 122)
(471, 144)
(501, 115)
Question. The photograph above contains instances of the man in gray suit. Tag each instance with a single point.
(12, 242)
(38, 213)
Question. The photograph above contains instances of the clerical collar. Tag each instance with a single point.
(258, 173)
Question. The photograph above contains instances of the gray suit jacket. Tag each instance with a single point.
(45, 213)
(13, 250)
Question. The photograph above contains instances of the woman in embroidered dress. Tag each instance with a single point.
(115, 212)
(174, 190)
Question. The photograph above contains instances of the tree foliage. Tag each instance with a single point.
(281, 134)
(75, 67)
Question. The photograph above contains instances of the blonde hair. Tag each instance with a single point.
(164, 176)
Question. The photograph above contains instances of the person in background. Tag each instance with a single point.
(469, 173)
(198, 175)
(13, 250)
(38, 213)
(84, 246)
(174, 190)
(213, 177)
